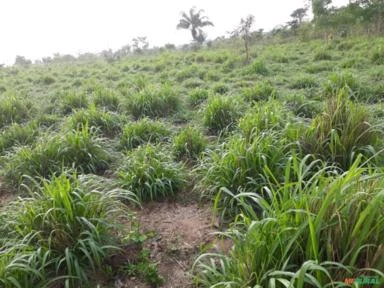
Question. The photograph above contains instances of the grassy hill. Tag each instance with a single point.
(286, 149)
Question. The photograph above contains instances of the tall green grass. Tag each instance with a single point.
(151, 173)
(142, 132)
(221, 114)
(189, 144)
(108, 124)
(341, 132)
(153, 102)
(312, 230)
(14, 109)
(241, 166)
(61, 234)
(80, 149)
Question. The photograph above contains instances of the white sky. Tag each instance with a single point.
(38, 28)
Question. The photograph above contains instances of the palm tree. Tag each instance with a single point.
(194, 22)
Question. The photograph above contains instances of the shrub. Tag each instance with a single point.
(60, 235)
(308, 233)
(197, 96)
(189, 144)
(153, 102)
(106, 98)
(17, 134)
(13, 110)
(142, 132)
(109, 124)
(72, 100)
(151, 173)
(220, 114)
(79, 149)
(339, 134)
(261, 91)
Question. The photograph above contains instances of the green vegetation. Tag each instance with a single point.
(151, 173)
(144, 131)
(286, 147)
(62, 234)
(189, 144)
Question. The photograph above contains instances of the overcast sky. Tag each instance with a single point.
(38, 28)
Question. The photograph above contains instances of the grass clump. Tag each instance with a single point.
(13, 110)
(341, 132)
(61, 234)
(107, 123)
(321, 55)
(189, 144)
(106, 99)
(80, 149)
(221, 113)
(269, 116)
(260, 92)
(339, 81)
(311, 231)
(240, 166)
(17, 135)
(301, 106)
(151, 173)
(378, 57)
(220, 88)
(258, 67)
(304, 82)
(72, 100)
(153, 102)
(142, 132)
(197, 97)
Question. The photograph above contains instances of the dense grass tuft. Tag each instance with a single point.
(153, 102)
(60, 235)
(261, 91)
(107, 123)
(80, 149)
(189, 144)
(142, 132)
(220, 114)
(13, 110)
(311, 231)
(151, 173)
(72, 100)
(343, 131)
(240, 166)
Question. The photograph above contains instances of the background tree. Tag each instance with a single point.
(320, 7)
(195, 21)
(22, 61)
(139, 44)
(299, 14)
(244, 31)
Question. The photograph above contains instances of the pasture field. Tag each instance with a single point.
(196, 169)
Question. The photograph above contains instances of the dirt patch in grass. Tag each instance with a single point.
(181, 232)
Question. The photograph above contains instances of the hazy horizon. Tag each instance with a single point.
(40, 28)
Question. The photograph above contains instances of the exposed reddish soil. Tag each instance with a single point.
(182, 231)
